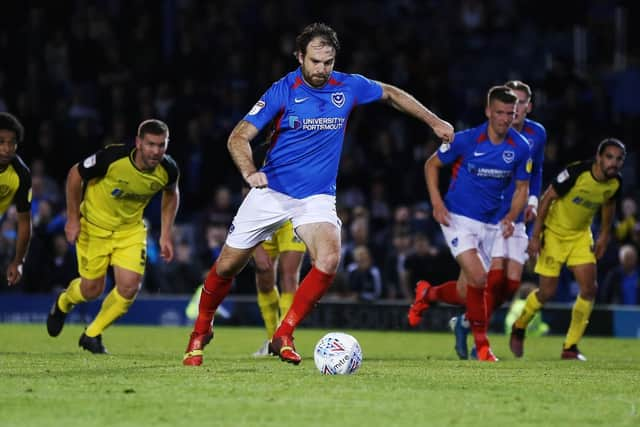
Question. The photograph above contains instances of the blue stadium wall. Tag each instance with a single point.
(619, 321)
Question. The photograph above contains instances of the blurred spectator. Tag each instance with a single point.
(394, 274)
(427, 262)
(365, 281)
(626, 224)
(622, 284)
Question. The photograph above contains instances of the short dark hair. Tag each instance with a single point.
(318, 29)
(10, 122)
(502, 94)
(608, 142)
(519, 85)
(154, 127)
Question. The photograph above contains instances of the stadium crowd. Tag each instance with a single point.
(82, 74)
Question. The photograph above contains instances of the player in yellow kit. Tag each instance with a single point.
(562, 235)
(279, 257)
(15, 187)
(106, 197)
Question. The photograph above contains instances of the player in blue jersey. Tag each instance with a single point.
(509, 254)
(309, 108)
(486, 160)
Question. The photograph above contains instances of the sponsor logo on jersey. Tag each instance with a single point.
(488, 172)
(256, 108)
(299, 100)
(478, 154)
(117, 193)
(338, 98)
(586, 203)
(319, 123)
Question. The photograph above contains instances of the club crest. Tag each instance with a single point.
(338, 98)
(508, 156)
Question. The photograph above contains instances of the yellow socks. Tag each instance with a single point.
(268, 304)
(531, 307)
(579, 319)
(113, 306)
(71, 296)
(286, 299)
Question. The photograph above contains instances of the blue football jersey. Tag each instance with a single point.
(309, 126)
(482, 171)
(536, 136)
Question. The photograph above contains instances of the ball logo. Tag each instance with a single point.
(338, 99)
(337, 353)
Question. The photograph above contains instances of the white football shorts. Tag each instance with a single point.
(514, 247)
(464, 233)
(264, 210)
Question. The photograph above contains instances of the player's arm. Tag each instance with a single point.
(169, 210)
(607, 214)
(73, 191)
(239, 146)
(14, 269)
(406, 103)
(545, 203)
(518, 202)
(431, 174)
(535, 184)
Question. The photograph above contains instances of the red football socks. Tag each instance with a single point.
(312, 288)
(477, 315)
(214, 290)
(496, 282)
(446, 292)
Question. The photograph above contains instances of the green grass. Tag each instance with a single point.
(411, 379)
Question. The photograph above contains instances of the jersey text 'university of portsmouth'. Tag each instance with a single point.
(482, 171)
(309, 126)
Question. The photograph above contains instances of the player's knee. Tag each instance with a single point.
(91, 290)
(589, 292)
(328, 263)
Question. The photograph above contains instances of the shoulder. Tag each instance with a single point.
(170, 165)
(20, 167)
(531, 127)
(114, 152)
(579, 167)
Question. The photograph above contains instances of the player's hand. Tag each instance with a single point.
(166, 248)
(14, 272)
(601, 246)
(530, 213)
(72, 230)
(444, 131)
(257, 180)
(533, 249)
(508, 227)
(441, 214)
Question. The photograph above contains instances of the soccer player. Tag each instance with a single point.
(509, 255)
(310, 106)
(15, 185)
(106, 197)
(279, 256)
(486, 159)
(567, 209)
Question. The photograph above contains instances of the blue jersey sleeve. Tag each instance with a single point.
(537, 155)
(365, 90)
(268, 106)
(449, 153)
(524, 164)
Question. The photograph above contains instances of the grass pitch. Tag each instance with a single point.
(407, 379)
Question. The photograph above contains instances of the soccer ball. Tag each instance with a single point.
(337, 353)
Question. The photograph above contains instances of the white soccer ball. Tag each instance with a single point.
(337, 353)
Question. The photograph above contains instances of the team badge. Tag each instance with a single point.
(454, 242)
(508, 156)
(4, 190)
(338, 98)
(256, 108)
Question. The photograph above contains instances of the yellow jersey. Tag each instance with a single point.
(581, 197)
(116, 191)
(15, 186)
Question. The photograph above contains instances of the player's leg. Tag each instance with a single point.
(289, 272)
(92, 252)
(265, 258)
(585, 275)
(323, 242)
(259, 215)
(474, 270)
